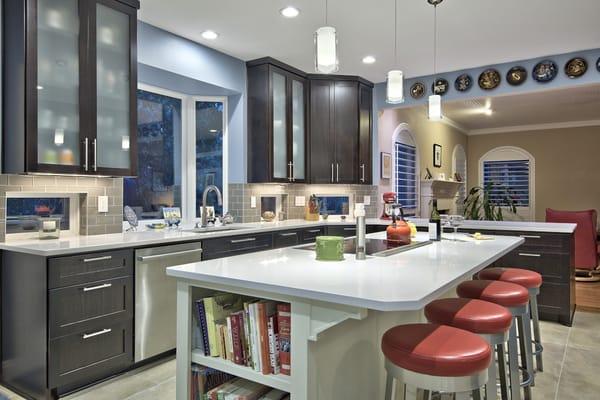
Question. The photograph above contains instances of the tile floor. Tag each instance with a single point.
(571, 369)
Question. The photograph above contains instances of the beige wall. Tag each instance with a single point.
(567, 164)
(426, 134)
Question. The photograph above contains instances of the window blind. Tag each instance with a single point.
(405, 176)
(508, 177)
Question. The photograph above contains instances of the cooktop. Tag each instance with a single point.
(375, 247)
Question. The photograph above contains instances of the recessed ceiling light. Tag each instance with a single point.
(210, 35)
(40, 87)
(290, 12)
(368, 60)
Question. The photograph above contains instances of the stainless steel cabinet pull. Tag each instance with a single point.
(350, 229)
(174, 254)
(337, 172)
(91, 335)
(95, 147)
(288, 234)
(529, 255)
(314, 231)
(104, 258)
(362, 167)
(290, 171)
(86, 149)
(243, 240)
(331, 172)
(104, 286)
(530, 236)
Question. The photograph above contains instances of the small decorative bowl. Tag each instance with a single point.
(268, 216)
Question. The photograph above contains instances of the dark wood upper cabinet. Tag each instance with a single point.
(340, 129)
(70, 72)
(277, 122)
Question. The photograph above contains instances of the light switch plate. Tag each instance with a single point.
(252, 201)
(367, 200)
(300, 201)
(103, 204)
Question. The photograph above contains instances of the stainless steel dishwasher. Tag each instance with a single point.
(156, 297)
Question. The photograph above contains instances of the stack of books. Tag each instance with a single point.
(241, 389)
(250, 332)
(205, 379)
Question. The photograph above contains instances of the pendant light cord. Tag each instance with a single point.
(326, 10)
(396, 32)
(434, 39)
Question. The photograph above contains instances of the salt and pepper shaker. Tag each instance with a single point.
(361, 231)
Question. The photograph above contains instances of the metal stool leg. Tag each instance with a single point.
(513, 364)
(501, 351)
(491, 393)
(389, 386)
(524, 323)
(535, 320)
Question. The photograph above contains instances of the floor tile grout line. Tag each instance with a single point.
(562, 364)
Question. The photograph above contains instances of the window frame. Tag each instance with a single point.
(508, 153)
(188, 152)
(403, 134)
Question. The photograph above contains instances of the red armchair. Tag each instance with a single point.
(586, 245)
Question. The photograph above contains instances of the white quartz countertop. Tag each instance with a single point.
(82, 244)
(405, 281)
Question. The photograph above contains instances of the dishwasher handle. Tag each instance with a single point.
(166, 255)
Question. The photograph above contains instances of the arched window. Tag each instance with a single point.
(459, 166)
(406, 169)
(511, 171)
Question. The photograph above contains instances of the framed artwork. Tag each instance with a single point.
(437, 155)
(386, 165)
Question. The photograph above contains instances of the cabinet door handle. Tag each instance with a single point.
(288, 234)
(529, 255)
(530, 236)
(350, 229)
(166, 255)
(95, 148)
(104, 286)
(242, 240)
(86, 149)
(332, 173)
(362, 167)
(313, 231)
(103, 258)
(337, 172)
(290, 171)
(91, 335)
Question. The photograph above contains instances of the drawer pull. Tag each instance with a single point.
(104, 286)
(242, 240)
(313, 231)
(104, 258)
(530, 236)
(91, 335)
(529, 255)
(288, 234)
(350, 229)
(174, 254)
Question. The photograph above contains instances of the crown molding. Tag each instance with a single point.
(454, 124)
(533, 127)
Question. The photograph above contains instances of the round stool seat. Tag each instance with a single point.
(523, 277)
(503, 293)
(473, 315)
(436, 350)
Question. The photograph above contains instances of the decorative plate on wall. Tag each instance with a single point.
(489, 79)
(440, 86)
(463, 83)
(598, 64)
(576, 67)
(417, 90)
(545, 71)
(516, 76)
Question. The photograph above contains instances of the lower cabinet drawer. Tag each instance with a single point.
(285, 239)
(552, 267)
(310, 235)
(235, 245)
(89, 306)
(554, 297)
(344, 231)
(82, 358)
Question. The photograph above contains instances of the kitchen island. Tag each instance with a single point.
(339, 310)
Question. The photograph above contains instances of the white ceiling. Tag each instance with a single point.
(471, 32)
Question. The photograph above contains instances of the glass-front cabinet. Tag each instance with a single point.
(71, 108)
(277, 133)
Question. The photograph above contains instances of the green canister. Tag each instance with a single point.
(330, 248)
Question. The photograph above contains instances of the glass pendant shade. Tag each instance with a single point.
(435, 107)
(326, 58)
(395, 87)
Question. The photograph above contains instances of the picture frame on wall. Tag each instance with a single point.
(386, 165)
(437, 155)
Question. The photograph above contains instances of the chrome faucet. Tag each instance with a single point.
(209, 188)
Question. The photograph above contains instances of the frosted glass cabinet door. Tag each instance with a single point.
(113, 88)
(58, 82)
(280, 160)
(298, 130)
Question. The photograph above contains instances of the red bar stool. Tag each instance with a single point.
(532, 281)
(489, 320)
(515, 298)
(435, 358)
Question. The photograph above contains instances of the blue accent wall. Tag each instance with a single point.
(175, 63)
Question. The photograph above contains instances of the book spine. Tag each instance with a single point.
(247, 340)
(229, 339)
(285, 330)
(263, 339)
(254, 333)
(238, 357)
(203, 326)
(209, 304)
(273, 346)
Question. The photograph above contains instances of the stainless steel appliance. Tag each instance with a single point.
(156, 297)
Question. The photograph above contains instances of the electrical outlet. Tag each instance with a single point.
(103, 204)
(252, 201)
(367, 200)
(300, 201)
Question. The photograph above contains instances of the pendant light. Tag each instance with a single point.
(326, 57)
(395, 77)
(435, 100)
